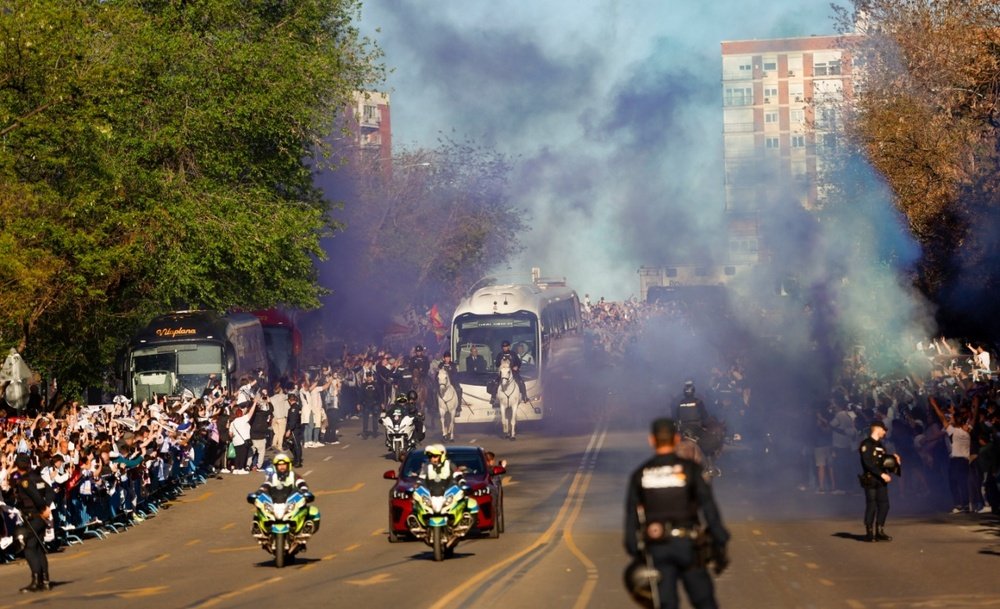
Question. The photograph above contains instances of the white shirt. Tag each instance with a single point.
(961, 442)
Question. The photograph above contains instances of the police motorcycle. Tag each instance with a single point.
(400, 429)
(283, 522)
(442, 515)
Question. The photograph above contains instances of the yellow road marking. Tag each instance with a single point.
(825, 581)
(71, 557)
(378, 578)
(378, 532)
(757, 532)
(449, 599)
(104, 579)
(129, 592)
(583, 599)
(228, 595)
(161, 557)
(239, 549)
(353, 489)
(228, 526)
(137, 568)
(203, 497)
(329, 557)
(352, 548)
(812, 565)
(193, 542)
(853, 604)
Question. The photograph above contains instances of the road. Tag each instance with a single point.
(562, 549)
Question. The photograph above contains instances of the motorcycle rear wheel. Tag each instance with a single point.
(437, 543)
(279, 550)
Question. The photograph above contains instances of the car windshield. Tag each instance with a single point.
(469, 461)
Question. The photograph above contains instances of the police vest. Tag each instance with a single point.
(667, 492)
(687, 411)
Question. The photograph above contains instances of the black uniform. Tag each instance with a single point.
(420, 365)
(452, 370)
(32, 496)
(370, 406)
(690, 414)
(294, 429)
(876, 489)
(515, 369)
(671, 492)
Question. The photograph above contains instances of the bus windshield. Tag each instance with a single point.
(169, 369)
(280, 349)
(480, 336)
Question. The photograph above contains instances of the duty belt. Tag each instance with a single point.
(658, 531)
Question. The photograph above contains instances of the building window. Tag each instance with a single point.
(798, 141)
(738, 96)
(746, 68)
(701, 271)
(827, 68)
(730, 270)
(770, 65)
(771, 143)
(770, 117)
(370, 112)
(770, 95)
(671, 272)
(798, 117)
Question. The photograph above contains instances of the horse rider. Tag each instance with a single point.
(690, 413)
(515, 366)
(452, 369)
(419, 364)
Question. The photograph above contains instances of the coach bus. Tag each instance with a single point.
(283, 341)
(542, 322)
(181, 350)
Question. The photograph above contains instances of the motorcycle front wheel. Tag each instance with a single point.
(437, 543)
(279, 550)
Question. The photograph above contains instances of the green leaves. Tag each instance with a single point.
(157, 154)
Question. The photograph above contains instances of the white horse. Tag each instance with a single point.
(509, 395)
(447, 404)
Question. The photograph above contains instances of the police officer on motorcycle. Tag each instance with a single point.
(409, 402)
(32, 496)
(667, 500)
(438, 468)
(509, 356)
(690, 413)
(283, 481)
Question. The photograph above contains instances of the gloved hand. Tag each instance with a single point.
(252, 498)
(721, 559)
(309, 497)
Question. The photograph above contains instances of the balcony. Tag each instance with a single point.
(738, 127)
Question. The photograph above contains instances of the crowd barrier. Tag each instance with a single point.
(94, 508)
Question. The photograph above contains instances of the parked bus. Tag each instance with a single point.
(180, 351)
(542, 322)
(283, 341)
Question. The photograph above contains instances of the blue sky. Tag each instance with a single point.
(611, 108)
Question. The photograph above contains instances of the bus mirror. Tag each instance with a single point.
(230, 359)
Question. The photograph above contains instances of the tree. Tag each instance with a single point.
(160, 153)
(422, 232)
(927, 116)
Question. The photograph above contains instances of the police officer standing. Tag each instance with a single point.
(294, 429)
(33, 497)
(875, 481)
(666, 502)
(690, 412)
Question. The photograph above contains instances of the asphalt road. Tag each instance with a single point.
(562, 547)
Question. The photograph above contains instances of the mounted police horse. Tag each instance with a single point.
(448, 404)
(508, 396)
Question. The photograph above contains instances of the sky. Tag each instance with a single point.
(611, 109)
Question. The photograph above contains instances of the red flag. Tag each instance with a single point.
(437, 324)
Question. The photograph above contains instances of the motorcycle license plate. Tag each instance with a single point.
(279, 528)
(437, 521)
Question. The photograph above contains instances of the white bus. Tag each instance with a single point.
(542, 322)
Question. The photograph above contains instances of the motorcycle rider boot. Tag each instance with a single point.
(869, 533)
(35, 584)
(43, 581)
(880, 535)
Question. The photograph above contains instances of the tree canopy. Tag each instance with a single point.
(927, 115)
(160, 153)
